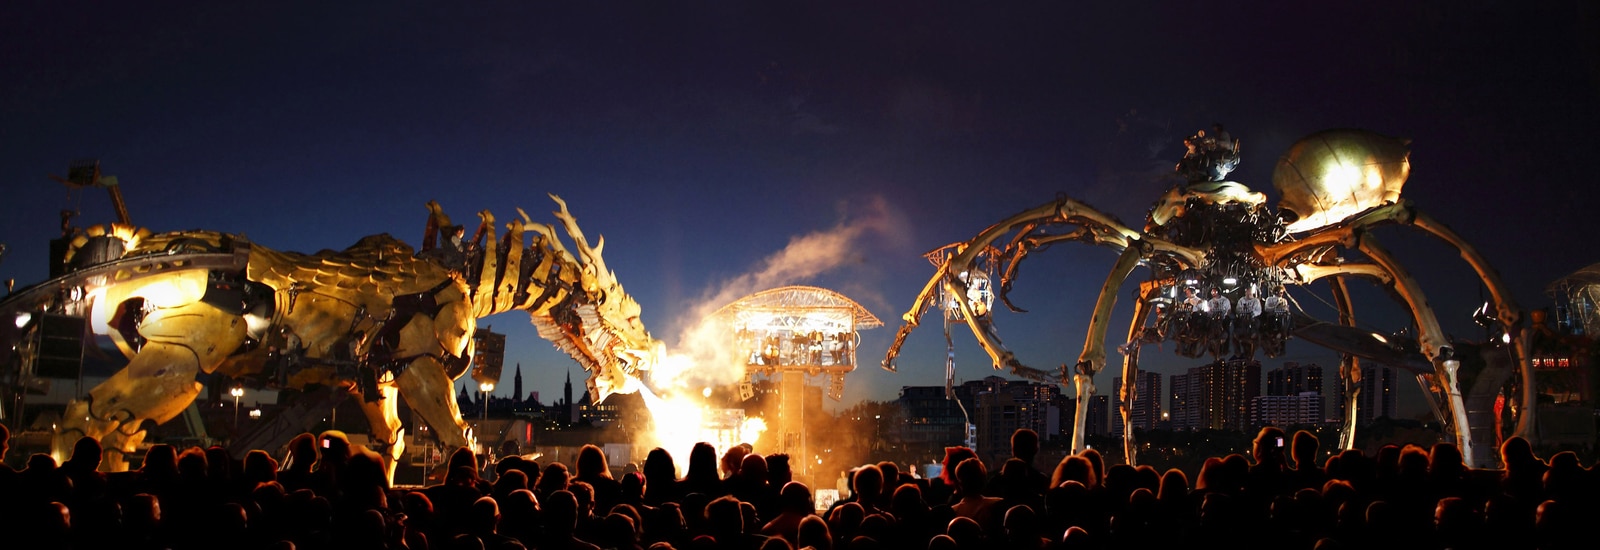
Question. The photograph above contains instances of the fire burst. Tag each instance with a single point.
(683, 420)
(785, 334)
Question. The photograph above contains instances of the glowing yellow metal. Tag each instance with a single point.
(1336, 186)
(1332, 175)
(376, 305)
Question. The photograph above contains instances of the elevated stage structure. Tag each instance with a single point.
(790, 334)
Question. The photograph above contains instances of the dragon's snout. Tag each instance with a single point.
(639, 360)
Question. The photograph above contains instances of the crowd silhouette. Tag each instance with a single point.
(329, 494)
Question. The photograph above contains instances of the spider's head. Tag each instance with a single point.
(1334, 174)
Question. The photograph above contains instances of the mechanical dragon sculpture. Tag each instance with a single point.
(376, 318)
(1217, 235)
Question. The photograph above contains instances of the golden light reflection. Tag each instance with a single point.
(679, 397)
(683, 420)
(169, 290)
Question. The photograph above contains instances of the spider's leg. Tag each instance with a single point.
(913, 317)
(1349, 366)
(1130, 365)
(1506, 310)
(1434, 343)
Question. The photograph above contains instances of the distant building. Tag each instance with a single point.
(1376, 399)
(1066, 414)
(1286, 410)
(623, 410)
(516, 385)
(1295, 379)
(471, 403)
(1097, 422)
(1215, 396)
(1235, 385)
(932, 422)
(1146, 404)
(1187, 403)
(1001, 407)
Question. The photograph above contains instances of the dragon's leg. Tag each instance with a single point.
(429, 392)
(1349, 367)
(112, 456)
(157, 385)
(159, 381)
(384, 418)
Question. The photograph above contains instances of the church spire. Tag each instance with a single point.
(516, 386)
(572, 408)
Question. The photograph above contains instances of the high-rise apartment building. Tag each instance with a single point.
(1146, 404)
(932, 422)
(1187, 401)
(1097, 421)
(1377, 394)
(1293, 380)
(1001, 407)
(1215, 396)
(1286, 410)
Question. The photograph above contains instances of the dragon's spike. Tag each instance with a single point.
(436, 219)
(594, 266)
(544, 230)
(483, 291)
(507, 287)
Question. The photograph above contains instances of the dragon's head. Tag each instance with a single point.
(622, 348)
(599, 325)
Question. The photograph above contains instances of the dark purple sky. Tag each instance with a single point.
(699, 138)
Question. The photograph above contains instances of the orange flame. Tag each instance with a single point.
(683, 420)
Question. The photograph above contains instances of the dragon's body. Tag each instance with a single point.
(377, 318)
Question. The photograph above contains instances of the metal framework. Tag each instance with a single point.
(788, 334)
(1218, 237)
(378, 317)
(1581, 293)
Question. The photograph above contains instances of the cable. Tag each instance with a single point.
(1363, 324)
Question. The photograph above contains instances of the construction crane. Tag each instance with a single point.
(86, 173)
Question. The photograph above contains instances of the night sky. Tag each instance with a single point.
(702, 138)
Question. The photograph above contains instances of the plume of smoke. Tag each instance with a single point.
(705, 358)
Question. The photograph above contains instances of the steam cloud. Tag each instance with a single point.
(706, 359)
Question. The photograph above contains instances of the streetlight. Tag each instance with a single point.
(486, 387)
(877, 432)
(236, 392)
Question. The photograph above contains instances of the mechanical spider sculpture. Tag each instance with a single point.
(1336, 185)
(375, 318)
